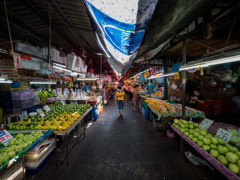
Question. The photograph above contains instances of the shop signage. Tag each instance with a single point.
(224, 134)
(205, 124)
(17, 60)
(26, 56)
(46, 108)
(5, 137)
(40, 112)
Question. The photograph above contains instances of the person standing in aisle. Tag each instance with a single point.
(135, 96)
(103, 93)
(86, 88)
(119, 99)
(150, 87)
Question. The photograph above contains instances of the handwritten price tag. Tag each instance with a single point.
(224, 134)
(40, 112)
(63, 103)
(205, 124)
(5, 137)
(46, 108)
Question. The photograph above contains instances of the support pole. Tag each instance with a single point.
(184, 80)
(49, 34)
(165, 80)
(10, 36)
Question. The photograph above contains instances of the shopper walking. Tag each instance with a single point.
(135, 96)
(119, 99)
(103, 94)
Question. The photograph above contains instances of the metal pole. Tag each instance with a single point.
(184, 80)
(165, 79)
(49, 37)
(9, 33)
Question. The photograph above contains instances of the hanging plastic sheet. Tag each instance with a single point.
(120, 26)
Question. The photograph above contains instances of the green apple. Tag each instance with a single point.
(11, 154)
(200, 137)
(213, 146)
(176, 126)
(238, 153)
(234, 168)
(191, 131)
(232, 157)
(197, 130)
(206, 141)
(195, 134)
(214, 140)
(222, 149)
(221, 141)
(202, 132)
(200, 143)
(196, 125)
(235, 140)
(222, 159)
(176, 121)
(182, 126)
(4, 159)
(209, 136)
(206, 147)
(191, 126)
(234, 132)
(214, 153)
(184, 121)
(24, 145)
(186, 133)
(194, 139)
(190, 136)
(190, 122)
(18, 149)
(19, 135)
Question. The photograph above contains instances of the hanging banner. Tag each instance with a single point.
(176, 67)
(17, 60)
(121, 25)
(26, 56)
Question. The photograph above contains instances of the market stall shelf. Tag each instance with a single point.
(213, 161)
(4, 167)
(66, 136)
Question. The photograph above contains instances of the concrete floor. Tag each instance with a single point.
(125, 148)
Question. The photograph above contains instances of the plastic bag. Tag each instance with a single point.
(23, 114)
(196, 161)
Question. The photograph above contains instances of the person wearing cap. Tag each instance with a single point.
(119, 99)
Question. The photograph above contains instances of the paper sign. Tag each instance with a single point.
(17, 60)
(224, 134)
(205, 124)
(46, 108)
(40, 112)
(5, 137)
(63, 103)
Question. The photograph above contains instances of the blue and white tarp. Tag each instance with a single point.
(120, 26)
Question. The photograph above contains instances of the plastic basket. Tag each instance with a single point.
(17, 110)
(23, 103)
(22, 95)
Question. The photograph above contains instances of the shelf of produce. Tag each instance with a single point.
(66, 134)
(67, 131)
(213, 161)
(30, 147)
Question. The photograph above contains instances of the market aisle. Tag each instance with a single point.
(125, 148)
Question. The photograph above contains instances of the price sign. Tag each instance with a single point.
(46, 108)
(40, 112)
(224, 134)
(63, 103)
(5, 137)
(205, 124)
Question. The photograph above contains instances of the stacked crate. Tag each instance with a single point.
(15, 101)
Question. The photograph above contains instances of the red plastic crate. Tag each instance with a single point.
(208, 107)
(217, 108)
(228, 107)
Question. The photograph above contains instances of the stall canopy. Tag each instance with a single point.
(120, 27)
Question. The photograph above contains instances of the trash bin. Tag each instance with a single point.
(147, 113)
(93, 114)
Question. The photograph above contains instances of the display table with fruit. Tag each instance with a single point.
(20, 144)
(224, 157)
(168, 112)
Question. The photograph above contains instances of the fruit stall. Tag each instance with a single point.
(166, 111)
(218, 143)
(15, 145)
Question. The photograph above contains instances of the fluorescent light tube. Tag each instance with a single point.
(67, 70)
(87, 79)
(60, 65)
(163, 75)
(76, 73)
(5, 82)
(42, 82)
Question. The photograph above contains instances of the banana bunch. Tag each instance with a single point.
(42, 94)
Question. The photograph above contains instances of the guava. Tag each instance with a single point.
(206, 147)
(232, 157)
(234, 168)
(200, 143)
(222, 159)
(222, 149)
(206, 141)
(214, 153)
(214, 140)
(11, 154)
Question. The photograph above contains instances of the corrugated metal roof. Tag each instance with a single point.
(71, 26)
